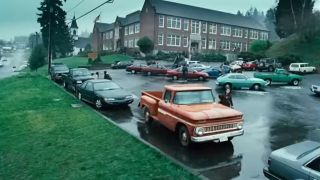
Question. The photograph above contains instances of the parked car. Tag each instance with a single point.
(57, 71)
(198, 67)
(177, 74)
(235, 66)
(121, 65)
(302, 68)
(191, 111)
(315, 89)
(216, 72)
(135, 68)
(154, 69)
(192, 62)
(268, 64)
(240, 81)
(102, 93)
(298, 161)
(76, 77)
(280, 76)
(250, 66)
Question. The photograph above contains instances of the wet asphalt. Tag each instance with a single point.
(17, 59)
(278, 116)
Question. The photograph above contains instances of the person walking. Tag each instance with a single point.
(228, 97)
(185, 71)
(106, 75)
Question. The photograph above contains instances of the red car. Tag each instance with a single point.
(250, 66)
(177, 73)
(135, 68)
(154, 69)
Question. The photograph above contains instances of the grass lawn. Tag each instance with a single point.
(115, 57)
(43, 137)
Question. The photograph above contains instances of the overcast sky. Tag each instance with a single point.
(18, 17)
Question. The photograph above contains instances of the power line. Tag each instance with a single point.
(76, 6)
(109, 1)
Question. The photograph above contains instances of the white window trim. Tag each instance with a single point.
(131, 29)
(186, 22)
(126, 30)
(227, 44)
(214, 28)
(187, 41)
(224, 32)
(205, 24)
(162, 39)
(174, 23)
(175, 37)
(214, 44)
(204, 45)
(238, 32)
(195, 28)
(161, 17)
(137, 28)
(254, 34)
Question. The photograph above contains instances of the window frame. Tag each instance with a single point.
(137, 28)
(162, 39)
(173, 22)
(161, 21)
(186, 22)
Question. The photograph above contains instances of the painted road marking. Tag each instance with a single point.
(292, 87)
(261, 93)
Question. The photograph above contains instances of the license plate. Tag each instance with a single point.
(223, 139)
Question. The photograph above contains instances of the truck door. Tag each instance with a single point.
(164, 112)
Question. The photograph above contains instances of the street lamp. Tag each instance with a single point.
(49, 41)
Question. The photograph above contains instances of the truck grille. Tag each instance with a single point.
(220, 128)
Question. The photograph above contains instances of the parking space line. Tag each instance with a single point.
(261, 93)
(292, 87)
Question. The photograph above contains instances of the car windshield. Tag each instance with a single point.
(83, 72)
(194, 97)
(60, 68)
(103, 86)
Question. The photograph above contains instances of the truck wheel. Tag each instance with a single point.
(256, 87)
(175, 78)
(268, 82)
(295, 82)
(184, 136)
(147, 118)
(201, 78)
(133, 71)
(149, 73)
(98, 104)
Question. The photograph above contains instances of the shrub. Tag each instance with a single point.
(209, 57)
(288, 59)
(37, 57)
(260, 47)
(146, 45)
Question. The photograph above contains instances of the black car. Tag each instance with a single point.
(76, 77)
(102, 93)
(121, 65)
(268, 64)
(57, 71)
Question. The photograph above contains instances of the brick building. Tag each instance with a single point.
(178, 27)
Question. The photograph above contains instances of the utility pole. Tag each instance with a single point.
(49, 41)
(37, 35)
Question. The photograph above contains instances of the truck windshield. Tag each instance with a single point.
(194, 97)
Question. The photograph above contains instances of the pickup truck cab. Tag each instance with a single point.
(280, 76)
(191, 112)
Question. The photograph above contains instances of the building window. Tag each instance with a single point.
(226, 30)
(264, 36)
(126, 31)
(174, 23)
(125, 43)
(237, 32)
(212, 28)
(204, 27)
(245, 47)
(212, 44)
(131, 29)
(173, 40)
(160, 39)
(131, 43)
(136, 43)
(137, 28)
(195, 27)
(111, 34)
(204, 43)
(237, 46)
(186, 25)
(246, 33)
(225, 45)
(161, 21)
(185, 41)
(254, 34)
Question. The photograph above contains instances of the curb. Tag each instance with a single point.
(193, 172)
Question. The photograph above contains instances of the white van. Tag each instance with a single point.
(301, 68)
(192, 62)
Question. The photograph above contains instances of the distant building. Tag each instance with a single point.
(79, 43)
(178, 27)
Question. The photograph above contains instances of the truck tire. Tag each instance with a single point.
(270, 68)
(149, 73)
(133, 71)
(256, 87)
(295, 82)
(268, 82)
(201, 78)
(147, 118)
(184, 136)
(175, 77)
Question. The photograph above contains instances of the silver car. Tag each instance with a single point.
(298, 161)
(315, 89)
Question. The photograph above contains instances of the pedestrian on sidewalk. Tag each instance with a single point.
(106, 75)
(228, 97)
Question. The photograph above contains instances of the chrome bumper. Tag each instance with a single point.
(217, 136)
(269, 175)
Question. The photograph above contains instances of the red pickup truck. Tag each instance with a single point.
(191, 111)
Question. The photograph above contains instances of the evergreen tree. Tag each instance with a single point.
(37, 57)
(239, 13)
(269, 22)
(60, 35)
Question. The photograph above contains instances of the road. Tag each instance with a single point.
(276, 117)
(17, 59)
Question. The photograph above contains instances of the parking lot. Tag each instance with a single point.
(278, 116)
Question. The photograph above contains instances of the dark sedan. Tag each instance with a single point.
(75, 77)
(102, 93)
(57, 71)
(121, 65)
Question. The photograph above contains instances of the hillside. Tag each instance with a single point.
(307, 51)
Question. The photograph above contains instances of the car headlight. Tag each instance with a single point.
(109, 99)
(240, 125)
(199, 131)
(129, 97)
(79, 82)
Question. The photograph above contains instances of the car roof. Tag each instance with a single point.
(77, 69)
(186, 87)
(299, 63)
(99, 80)
(300, 152)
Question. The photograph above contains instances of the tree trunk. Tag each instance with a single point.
(302, 12)
(293, 16)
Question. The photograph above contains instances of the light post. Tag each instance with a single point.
(49, 41)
